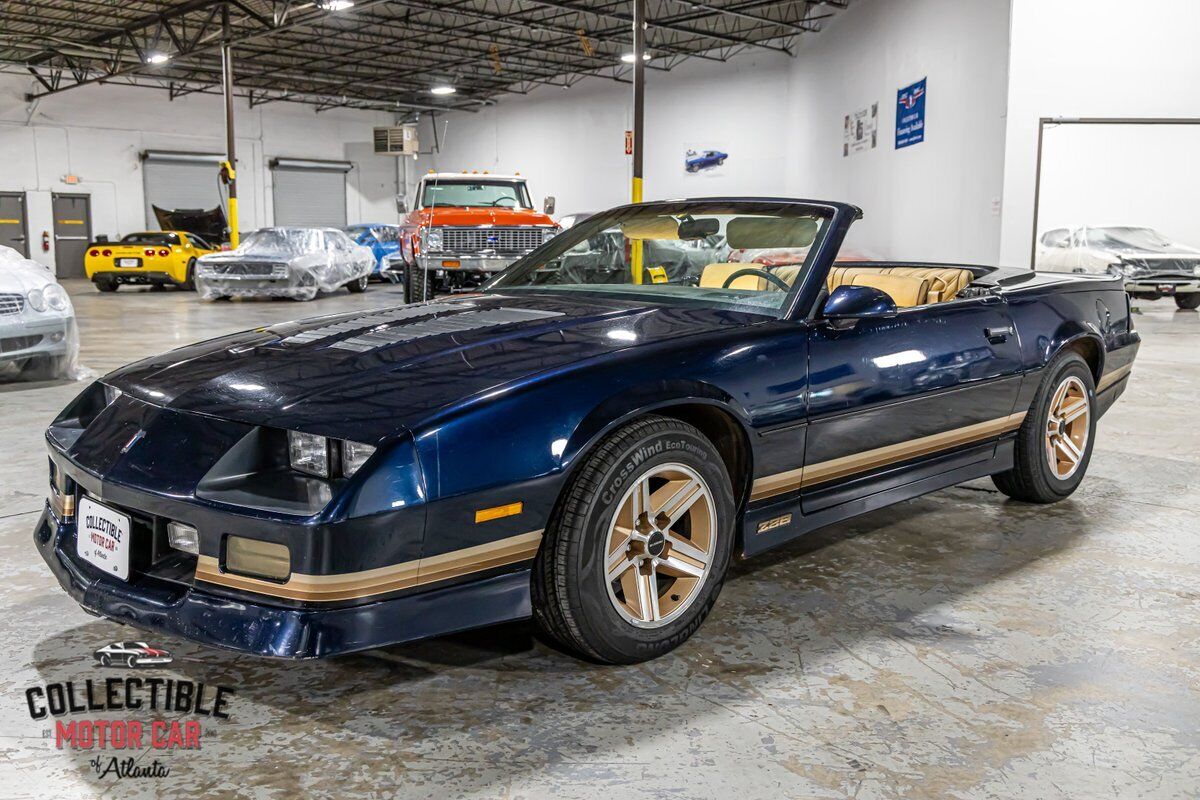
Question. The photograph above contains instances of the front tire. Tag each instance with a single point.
(637, 548)
(1054, 443)
(358, 286)
(1188, 302)
(105, 661)
(417, 286)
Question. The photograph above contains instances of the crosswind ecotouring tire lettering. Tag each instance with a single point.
(1054, 443)
(637, 548)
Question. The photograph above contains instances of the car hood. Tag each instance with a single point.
(208, 223)
(468, 217)
(21, 275)
(370, 375)
(244, 257)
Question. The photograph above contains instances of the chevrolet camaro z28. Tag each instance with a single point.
(587, 447)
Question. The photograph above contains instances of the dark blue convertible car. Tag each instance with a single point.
(586, 446)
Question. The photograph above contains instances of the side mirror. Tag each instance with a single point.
(401, 205)
(848, 304)
(548, 204)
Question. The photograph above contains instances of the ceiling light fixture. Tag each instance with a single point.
(336, 5)
(444, 88)
(157, 58)
(628, 57)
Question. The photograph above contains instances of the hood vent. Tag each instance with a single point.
(366, 321)
(456, 323)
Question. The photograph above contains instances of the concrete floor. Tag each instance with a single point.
(954, 646)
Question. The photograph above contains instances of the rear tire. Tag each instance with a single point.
(106, 284)
(1034, 478)
(417, 286)
(358, 286)
(1188, 302)
(189, 283)
(650, 510)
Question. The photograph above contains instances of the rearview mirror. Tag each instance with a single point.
(848, 304)
(548, 205)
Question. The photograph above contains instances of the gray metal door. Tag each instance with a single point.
(14, 228)
(310, 197)
(72, 232)
(176, 183)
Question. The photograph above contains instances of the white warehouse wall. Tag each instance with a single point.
(570, 143)
(938, 199)
(1092, 58)
(97, 132)
(780, 120)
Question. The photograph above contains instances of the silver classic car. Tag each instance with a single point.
(286, 262)
(1151, 264)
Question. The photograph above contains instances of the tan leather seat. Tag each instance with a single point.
(944, 282)
(715, 275)
(905, 291)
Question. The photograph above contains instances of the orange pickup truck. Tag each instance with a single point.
(464, 228)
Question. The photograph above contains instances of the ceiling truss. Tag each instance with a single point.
(379, 54)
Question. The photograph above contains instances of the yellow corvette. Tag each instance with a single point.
(150, 257)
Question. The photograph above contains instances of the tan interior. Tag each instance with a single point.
(907, 286)
(944, 282)
(714, 276)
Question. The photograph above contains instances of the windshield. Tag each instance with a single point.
(463, 193)
(150, 237)
(746, 257)
(291, 241)
(1130, 239)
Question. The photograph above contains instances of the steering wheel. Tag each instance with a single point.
(507, 202)
(762, 273)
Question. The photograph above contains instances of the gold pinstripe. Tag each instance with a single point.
(355, 585)
(811, 474)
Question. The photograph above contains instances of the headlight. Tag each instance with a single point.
(325, 458)
(37, 300)
(308, 453)
(183, 537)
(432, 239)
(354, 455)
(549, 234)
(56, 297)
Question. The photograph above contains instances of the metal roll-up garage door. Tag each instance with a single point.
(310, 193)
(180, 180)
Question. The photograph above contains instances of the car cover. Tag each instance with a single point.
(297, 263)
(39, 339)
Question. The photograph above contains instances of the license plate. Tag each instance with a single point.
(1166, 288)
(103, 537)
(129, 262)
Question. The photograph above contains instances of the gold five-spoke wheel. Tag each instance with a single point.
(660, 544)
(1067, 427)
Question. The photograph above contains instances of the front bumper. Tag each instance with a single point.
(21, 338)
(1166, 286)
(266, 630)
(466, 263)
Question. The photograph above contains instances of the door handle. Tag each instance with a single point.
(998, 335)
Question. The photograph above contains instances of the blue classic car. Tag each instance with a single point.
(384, 241)
(587, 449)
(694, 162)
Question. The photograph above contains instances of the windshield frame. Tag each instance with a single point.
(522, 190)
(835, 220)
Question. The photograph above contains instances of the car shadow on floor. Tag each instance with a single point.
(503, 684)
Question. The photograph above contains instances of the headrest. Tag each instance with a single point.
(762, 232)
(651, 228)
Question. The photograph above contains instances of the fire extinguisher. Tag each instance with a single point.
(45, 241)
